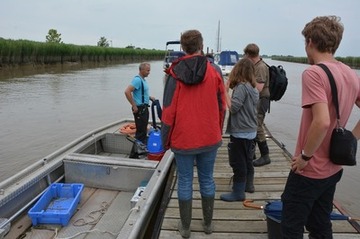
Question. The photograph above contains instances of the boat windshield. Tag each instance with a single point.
(229, 58)
(173, 55)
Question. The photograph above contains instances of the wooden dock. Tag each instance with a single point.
(233, 219)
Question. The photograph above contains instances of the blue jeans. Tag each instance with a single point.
(185, 170)
(308, 202)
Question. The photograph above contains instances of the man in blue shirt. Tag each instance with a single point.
(137, 93)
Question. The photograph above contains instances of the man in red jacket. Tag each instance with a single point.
(192, 121)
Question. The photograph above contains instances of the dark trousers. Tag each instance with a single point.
(141, 122)
(308, 202)
(262, 107)
(241, 158)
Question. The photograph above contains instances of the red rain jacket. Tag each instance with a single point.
(193, 106)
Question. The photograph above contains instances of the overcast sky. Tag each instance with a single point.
(275, 25)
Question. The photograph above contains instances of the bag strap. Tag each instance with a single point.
(142, 91)
(153, 114)
(333, 90)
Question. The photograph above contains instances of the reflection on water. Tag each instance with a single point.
(42, 112)
(10, 72)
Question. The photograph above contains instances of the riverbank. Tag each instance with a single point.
(353, 62)
(22, 52)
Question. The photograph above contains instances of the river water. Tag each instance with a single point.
(43, 112)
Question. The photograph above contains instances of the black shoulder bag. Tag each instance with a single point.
(343, 144)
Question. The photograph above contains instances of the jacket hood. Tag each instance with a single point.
(190, 69)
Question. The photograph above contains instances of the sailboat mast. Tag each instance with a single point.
(218, 47)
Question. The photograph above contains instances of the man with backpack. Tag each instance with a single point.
(262, 77)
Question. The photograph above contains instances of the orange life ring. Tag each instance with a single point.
(128, 128)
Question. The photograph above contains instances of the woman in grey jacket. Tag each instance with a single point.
(242, 127)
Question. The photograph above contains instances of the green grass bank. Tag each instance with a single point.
(353, 62)
(22, 52)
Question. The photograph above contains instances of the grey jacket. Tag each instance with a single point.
(242, 118)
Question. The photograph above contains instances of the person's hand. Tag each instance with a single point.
(135, 109)
(227, 85)
(298, 164)
(152, 98)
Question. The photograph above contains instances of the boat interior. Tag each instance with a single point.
(119, 196)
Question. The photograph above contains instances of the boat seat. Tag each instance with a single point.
(108, 172)
(112, 160)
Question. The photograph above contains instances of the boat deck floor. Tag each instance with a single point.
(100, 214)
(233, 219)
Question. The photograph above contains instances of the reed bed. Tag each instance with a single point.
(19, 52)
(353, 62)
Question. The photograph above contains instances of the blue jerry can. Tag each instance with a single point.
(154, 144)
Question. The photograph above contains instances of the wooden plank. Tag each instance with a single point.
(258, 188)
(259, 174)
(201, 235)
(218, 204)
(222, 226)
(241, 226)
(252, 196)
(257, 180)
(239, 214)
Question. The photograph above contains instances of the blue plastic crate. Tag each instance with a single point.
(57, 204)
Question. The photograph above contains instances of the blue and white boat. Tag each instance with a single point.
(226, 61)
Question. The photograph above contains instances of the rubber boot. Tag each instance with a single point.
(249, 186)
(185, 208)
(264, 159)
(238, 193)
(207, 204)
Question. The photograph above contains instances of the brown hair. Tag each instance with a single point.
(252, 50)
(325, 32)
(191, 41)
(243, 71)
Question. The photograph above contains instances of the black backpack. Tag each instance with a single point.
(278, 82)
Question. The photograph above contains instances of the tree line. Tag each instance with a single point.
(53, 50)
(54, 37)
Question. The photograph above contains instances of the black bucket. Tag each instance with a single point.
(273, 211)
(273, 228)
(273, 219)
